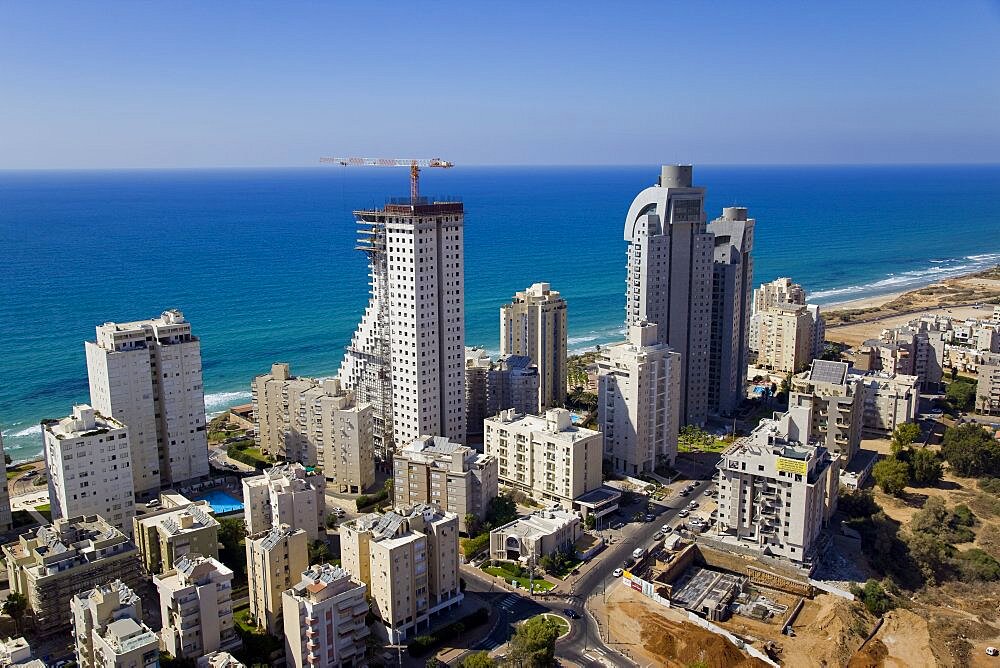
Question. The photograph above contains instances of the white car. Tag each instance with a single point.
(665, 528)
(618, 573)
(992, 651)
(683, 513)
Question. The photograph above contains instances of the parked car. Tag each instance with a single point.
(665, 528)
(618, 573)
(693, 505)
(618, 525)
(638, 553)
(650, 518)
(684, 492)
(153, 504)
(683, 513)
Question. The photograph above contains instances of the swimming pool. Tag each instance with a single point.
(221, 502)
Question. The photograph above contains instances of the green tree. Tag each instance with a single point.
(977, 566)
(232, 532)
(931, 555)
(961, 394)
(857, 503)
(471, 524)
(319, 552)
(478, 660)
(432, 662)
(590, 522)
(891, 475)
(876, 598)
(971, 451)
(926, 467)
(534, 643)
(903, 436)
(14, 607)
(331, 521)
(502, 509)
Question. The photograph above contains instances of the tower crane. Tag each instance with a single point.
(413, 163)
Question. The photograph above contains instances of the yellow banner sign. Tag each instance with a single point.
(792, 466)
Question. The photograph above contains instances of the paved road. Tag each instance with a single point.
(584, 644)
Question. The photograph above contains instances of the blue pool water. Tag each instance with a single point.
(221, 502)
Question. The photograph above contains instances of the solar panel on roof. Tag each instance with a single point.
(828, 371)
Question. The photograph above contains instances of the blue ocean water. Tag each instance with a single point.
(263, 264)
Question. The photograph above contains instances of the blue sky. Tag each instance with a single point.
(158, 84)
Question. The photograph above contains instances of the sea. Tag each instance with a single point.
(263, 261)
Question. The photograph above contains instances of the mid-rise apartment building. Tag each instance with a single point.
(533, 325)
(776, 488)
(196, 607)
(546, 457)
(167, 534)
(275, 558)
(452, 477)
(285, 494)
(147, 375)
(889, 401)
(52, 563)
(528, 539)
(669, 281)
(409, 561)
(836, 399)
(407, 357)
(315, 423)
(512, 381)
(89, 463)
(988, 385)
(324, 619)
(108, 631)
(6, 521)
(732, 290)
(638, 404)
(915, 349)
(785, 332)
(779, 291)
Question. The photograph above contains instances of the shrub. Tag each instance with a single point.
(971, 451)
(977, 566)
(876, 599)
(891, 475)
(859, 503)
(990, 485)
(926, 467)
(473, 546)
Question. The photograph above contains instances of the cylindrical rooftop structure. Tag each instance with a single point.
(676, 176)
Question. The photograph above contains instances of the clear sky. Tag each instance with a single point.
(194, 84)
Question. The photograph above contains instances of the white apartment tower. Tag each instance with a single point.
(90, 467)
(407, 357)
(534, 325)
(147, 375)
(732, 290)
(638, 405)
(108, 631)
(6, 522)
(324, 619)
(669, 281)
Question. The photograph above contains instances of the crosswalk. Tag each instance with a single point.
(508, 602)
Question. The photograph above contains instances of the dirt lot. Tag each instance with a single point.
(665, 638)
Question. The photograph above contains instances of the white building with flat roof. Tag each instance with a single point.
(638, 401)
(89, 463)
(409, 561)
(890, 399)
(453, 477)
(324, 619)
(147, 375)
(547, 457)
(777, 488)
(196, 607)
(285, 494)
(533, 325)
(528, 539)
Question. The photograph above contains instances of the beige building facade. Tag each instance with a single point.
(147, 375)
(528, 539)
(534, 325)
(890, 400)
(167, 534)
(285, 494)
(315, 423)
(638, 401)
(546, 457)
(409, 561)
(324, 619)
(51, 564)
(275, 558)
(836, 401)
(988, 386)
(454, 478)
(196, 607)
(108, 631)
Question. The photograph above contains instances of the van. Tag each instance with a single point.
(638, 553)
